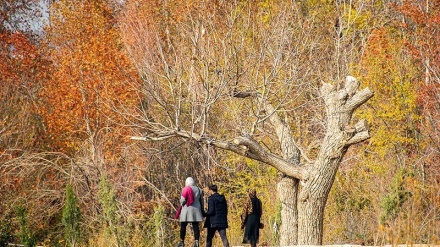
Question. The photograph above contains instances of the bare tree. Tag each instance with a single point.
(242, 80)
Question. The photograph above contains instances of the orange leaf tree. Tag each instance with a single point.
(91, 80)
(22, 70)
(91, 75)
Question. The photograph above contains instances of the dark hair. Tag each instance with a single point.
(213, 188)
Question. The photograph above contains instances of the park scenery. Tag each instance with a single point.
(329, 109)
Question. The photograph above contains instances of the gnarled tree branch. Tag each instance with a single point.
(244, 146)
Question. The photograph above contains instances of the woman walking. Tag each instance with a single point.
(250, 219)
(191, 201)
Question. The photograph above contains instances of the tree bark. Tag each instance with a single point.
(312, 200)
(288, 185)
(287, 193)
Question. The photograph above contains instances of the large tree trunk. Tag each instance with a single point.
(287, 186)
(312, 200)
(310, 221)
(287, 192)
(314, 190)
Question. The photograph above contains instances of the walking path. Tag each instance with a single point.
(350, 245)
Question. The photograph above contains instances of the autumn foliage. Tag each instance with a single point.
(72, 94)
(421, 24)
(91, 75)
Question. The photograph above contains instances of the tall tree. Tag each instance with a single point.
(90, 82)
(22, 71)
(238, 83)
(71, 218)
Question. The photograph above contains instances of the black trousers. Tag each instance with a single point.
(221, 232)
(196, 229)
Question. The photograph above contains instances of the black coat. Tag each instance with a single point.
(217, 214)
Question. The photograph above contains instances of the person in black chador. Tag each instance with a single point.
(216, 217)
(250, 218)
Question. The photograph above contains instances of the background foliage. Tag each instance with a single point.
(70, 92)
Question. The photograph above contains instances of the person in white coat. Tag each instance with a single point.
(191, 200)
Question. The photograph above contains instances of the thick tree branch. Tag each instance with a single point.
(290, 149)
(299, 172)
(358, 99)
(241, 150)
(361, 133)
(243, 146)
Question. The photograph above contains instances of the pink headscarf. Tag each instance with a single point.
(187, 192)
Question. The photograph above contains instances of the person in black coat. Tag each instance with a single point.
(251, 219)
(216, 217)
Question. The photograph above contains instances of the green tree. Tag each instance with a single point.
(26, 235)
(109, 204)
(5, 233)
(71, 218)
